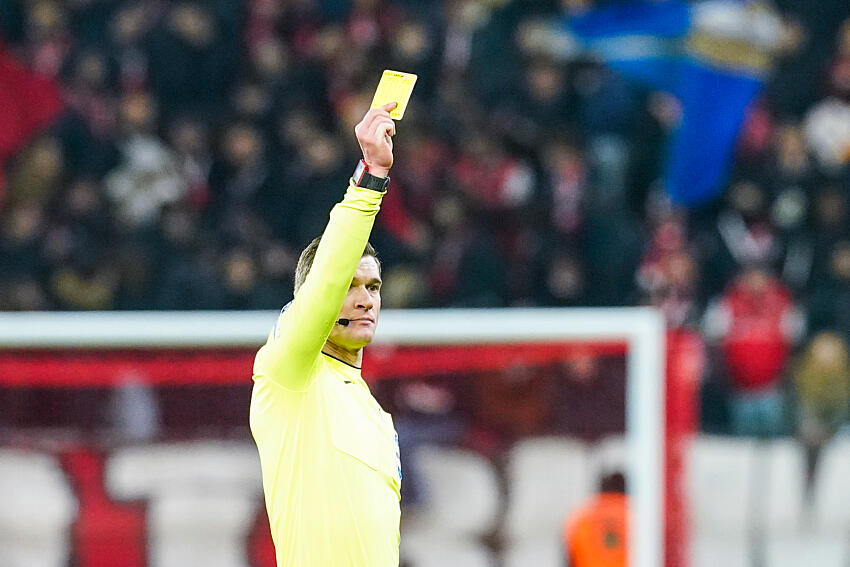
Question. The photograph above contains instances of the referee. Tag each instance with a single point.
(329, 453)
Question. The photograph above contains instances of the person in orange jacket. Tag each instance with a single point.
(597, 534)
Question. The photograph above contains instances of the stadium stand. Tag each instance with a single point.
(177, 155)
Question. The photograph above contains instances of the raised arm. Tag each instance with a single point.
(302, 329)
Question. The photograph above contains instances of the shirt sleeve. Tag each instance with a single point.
(293, 347)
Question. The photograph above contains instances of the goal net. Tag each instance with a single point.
(115, 426)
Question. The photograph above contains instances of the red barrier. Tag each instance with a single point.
(157, 367)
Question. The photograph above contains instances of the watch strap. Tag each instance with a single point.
(362, 178)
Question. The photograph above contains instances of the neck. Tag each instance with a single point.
(352, 357)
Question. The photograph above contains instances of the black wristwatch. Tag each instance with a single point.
(362, 178)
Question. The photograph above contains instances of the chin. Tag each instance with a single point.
(361, 340)
(352, 341)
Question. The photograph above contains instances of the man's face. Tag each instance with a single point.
(361, 306)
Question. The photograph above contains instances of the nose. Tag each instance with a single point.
(363, 300)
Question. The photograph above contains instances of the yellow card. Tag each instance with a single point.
(395, 86)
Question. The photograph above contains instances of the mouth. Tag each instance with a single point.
(363, 321)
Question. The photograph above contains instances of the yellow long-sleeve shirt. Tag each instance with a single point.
(329, 453)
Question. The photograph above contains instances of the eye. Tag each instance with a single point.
(375, 287)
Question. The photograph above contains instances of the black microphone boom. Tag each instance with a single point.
(343, 322)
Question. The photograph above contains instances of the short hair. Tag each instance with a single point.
(305, 261)
(613, 482)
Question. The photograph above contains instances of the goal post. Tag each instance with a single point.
(641, 329)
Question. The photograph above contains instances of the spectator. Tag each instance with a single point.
(38, 172)
(668, 273)
(509, 404)
(792, 177)
(187, 272)
(189, 138)
(244, 287)
(565, 173)
(490, 177)
(20, 238)
(192, 56)
(827, 124)
(21, 230)
(148, 177)
(464, 247)
(590, 398)
(742, 234)
(597, 535)
(244, 184)
(829, 297)
(755, 323)
(562, 281)
(830, 223)
(790, 164)
(135, 272)
(822, 379)
(89, 285)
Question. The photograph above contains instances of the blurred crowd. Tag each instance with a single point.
(203, 142)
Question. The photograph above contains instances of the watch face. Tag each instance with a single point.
(359, 171)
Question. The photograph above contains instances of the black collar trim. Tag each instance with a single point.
(342, 361)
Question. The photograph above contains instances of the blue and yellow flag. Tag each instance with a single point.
(713, 56)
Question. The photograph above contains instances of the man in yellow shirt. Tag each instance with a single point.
(329, 453)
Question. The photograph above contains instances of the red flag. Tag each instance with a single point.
(28, 103)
